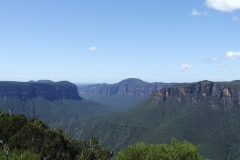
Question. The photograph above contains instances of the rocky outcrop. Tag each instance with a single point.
(229, 93)
(50, 91)
(131, 86)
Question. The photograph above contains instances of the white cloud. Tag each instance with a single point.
(195, 12)
(232, 55)
(235, 18)
(92, 48)
(186, 65)
(221, 65)
(168, 65)
(223, 5)
(215, 59)
(215, 76)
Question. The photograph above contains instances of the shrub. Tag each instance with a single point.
(176, 150)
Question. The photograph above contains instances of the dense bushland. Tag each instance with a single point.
(25, 139)
(33, 139)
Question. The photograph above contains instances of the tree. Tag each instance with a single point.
(176, 150)
(10, 124)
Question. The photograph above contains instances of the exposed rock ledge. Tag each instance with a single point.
(51, 91)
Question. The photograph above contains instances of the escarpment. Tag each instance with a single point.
(199, 92)
(50, 91)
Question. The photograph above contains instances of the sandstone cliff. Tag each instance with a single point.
(229, 93)
(50, 91)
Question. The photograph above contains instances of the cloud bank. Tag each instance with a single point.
(232, 55)
(223, 5)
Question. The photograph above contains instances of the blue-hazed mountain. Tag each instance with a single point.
(45, 98)
(48, 90)
(120, 95)
(131, 86)
(205, 113)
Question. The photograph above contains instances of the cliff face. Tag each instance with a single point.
(49, 91)
(129, 86)
(229, 93)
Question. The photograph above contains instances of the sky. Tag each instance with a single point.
(106, 41)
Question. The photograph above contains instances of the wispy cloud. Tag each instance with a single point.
(215, 76)
(20, 76)
(235, 18)
(215, 59)
(221, 65)
(211, 60)
(223, 5)
(92, 48)
(232, 55)
(195, 13)
(186, 65)
(168, 65)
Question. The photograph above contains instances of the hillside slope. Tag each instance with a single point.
(204, 113)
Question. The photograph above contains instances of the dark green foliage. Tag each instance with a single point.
(93, 149)
(10, 124)
(56, 145)
(35, 140)
(177, 150)
(16, 155)
(31, 136)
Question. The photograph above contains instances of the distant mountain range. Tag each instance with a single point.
(45, 98)
(130, 86)
(120, 95)
(205, 113)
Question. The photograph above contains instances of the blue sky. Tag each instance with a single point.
(89, 41)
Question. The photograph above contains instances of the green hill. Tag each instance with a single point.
(204, 113)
